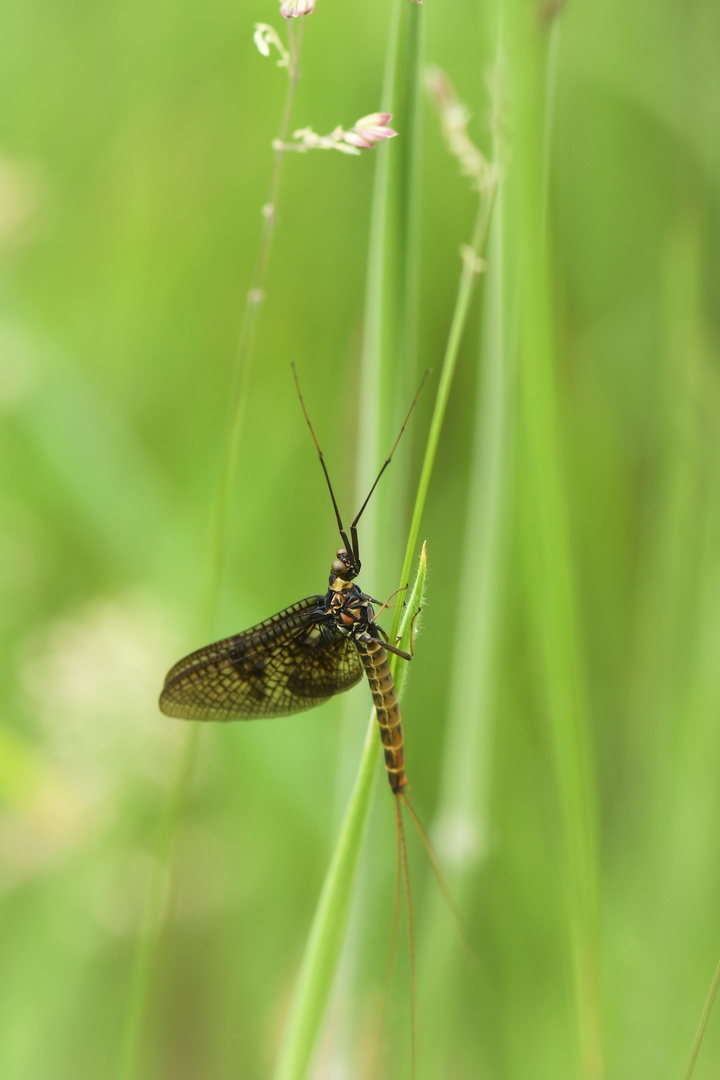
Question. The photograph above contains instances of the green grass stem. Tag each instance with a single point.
(411, 189)
(461, 827)
(468, 276)
(376, 313)
(702, 1026)
(551, 589)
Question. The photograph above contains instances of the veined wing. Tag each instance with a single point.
(290, 662)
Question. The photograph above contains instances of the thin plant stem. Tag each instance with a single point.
(155, 908)
(466, 284)
(375, 313)
(243, 353)
(412, 188)
(704, 1018)
(399, 359)
(461, 825)
(553, 51)
(171, 812)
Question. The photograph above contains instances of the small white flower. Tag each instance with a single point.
(260, 39)
(266, 37)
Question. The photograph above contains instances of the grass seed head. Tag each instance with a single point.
(363, 135)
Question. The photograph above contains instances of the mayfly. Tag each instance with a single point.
(302, 656)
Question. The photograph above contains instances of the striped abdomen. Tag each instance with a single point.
(384, 694)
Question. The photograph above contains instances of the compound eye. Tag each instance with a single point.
(338, 568)
(342, 554)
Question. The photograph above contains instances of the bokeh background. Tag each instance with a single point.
(134, 161)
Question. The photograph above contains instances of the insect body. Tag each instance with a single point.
(293, 661)
(302, 656)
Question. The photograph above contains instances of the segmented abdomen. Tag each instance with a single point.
(375, 662)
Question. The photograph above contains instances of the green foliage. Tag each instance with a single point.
(561, 715)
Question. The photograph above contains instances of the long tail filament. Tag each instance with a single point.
(440, 877)
(402, 848)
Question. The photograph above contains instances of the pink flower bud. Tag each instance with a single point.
(376, 118)
(292, 9)
(356, 140)
(369, 130)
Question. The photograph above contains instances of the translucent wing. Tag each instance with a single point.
(291, 662)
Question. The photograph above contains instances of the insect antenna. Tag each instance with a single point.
(341, 528)
(353, 526)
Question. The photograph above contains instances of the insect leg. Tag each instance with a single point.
(412, 632)
(398, 652)
(387, 603)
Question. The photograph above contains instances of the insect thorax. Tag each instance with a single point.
(349, 606)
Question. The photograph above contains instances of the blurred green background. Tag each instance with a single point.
(134, 161)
